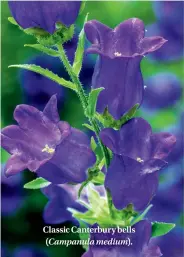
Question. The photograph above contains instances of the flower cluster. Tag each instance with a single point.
(64, 157)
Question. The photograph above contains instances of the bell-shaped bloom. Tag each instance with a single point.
(140, 246)
(177, 152)
(171, 244)
(120, 52)
(44, 14)
(60, 198)
(12, 197)
(139, 154)
(170, 15)
(168, 203)
(172, 50)
(37, 89)
(44, 144)
(162, 90)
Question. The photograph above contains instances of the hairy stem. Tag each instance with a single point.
(83, 98)
(84, 101)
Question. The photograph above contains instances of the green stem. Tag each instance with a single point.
(110, 204)
(83, 98)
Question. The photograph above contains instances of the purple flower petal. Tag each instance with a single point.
(135, 133)
(140, 243)
(153, 165)
(110, 138)
(121, 51)
(163, 143)
(128, 184)
(44, 14)
(37, 126)
(60, 199)
(127, 39)
(170, 15)
(46, 145)
(72, 157)
(172, 50)
(122, 90)
(51, 111)
(54, 213)
(14, 165)
(25, 153)
(152, 251)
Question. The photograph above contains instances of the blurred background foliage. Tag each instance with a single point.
(22, 225)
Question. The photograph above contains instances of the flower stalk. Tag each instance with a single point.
(83, 98)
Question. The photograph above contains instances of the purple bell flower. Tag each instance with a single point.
(37, 89)
(168, 202)
(162, 90)
(140, 243)
(171, 244)
(120, 53)
(44, 14)
(172, 50)
(170, 15)
(177, 153)
(60, 198)
(11, 194)
(139, 154)
(47, 146)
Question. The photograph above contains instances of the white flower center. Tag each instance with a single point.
(117, 54)
(48, 149)
(139, 159)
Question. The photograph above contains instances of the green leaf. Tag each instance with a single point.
(143, 214)
(44, 49)
(88, 127)
(47, 73)
(93, 144)
(161, 228)
(93, 97)
(132, 112)
(77, 65)
(83, 4)
(12, 21)
(37, 183)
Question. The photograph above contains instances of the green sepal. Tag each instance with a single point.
(142, 215)
(77, 65)
(161, 228)
(47, 73)
(37, 183)
(44, 49)
(92, 101)
(12, 21)
(109, 122)
(83, 4)
(126, 214)
(93, 144)
(60, 36)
